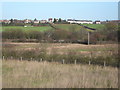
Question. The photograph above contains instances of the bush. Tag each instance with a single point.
(69, 57)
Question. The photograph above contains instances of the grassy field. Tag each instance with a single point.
(70, 27)
(60, 26)
(26, 29)
(30, 74)
(78, 27)
(42, 28)
(95, 26)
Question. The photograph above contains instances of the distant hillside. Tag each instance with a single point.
(26, 29)
(70, 27)
(57, 26)
(95, 26)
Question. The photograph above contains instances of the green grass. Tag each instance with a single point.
(71, 27)
(95, 26)
(26, 29)
(67, 26)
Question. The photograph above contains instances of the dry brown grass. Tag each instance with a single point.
(30, 74)
(96, 50)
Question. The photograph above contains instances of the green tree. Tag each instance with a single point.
(59, 21)
(35, 19)
(54, 20)
(11, 20)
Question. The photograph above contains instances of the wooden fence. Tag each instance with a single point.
(60, 61)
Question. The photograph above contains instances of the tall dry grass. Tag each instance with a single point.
(31, 74)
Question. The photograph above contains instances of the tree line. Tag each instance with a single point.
(109, 33)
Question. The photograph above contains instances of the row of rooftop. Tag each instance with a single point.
(51, 20)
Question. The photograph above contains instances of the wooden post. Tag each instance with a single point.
(52, 59)
(11, 57)
(31, 58)
(41, 60)
(111, 52)
(104, 63)
(75, 62)
(3, 58)
(63, 61)
(89, 62)
(88, 38)
(21, 58)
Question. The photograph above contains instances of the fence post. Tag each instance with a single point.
(21, 58)
(89, 62)
(104, 63)
(11, 57)
(41, 60)
(31, 58)
(111, 53)
(3, 58)
(63, 61)
(52, 59)
(75, 62)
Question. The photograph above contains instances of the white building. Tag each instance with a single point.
(80, 21)
(84, 22)
(36, 21)
(5, 21)
(97, 22)
(43, 21)
(27, 21)
(71, 21)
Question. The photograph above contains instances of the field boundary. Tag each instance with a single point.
(62, 61)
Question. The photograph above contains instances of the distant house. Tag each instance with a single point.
(27, 21)
(97, 22)
(71, 21)
(36, 21)
(5, 21)
(80, 21)
(1, 21)
(84, 22)
(43, 21)
(18, 21)
(50, 20)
